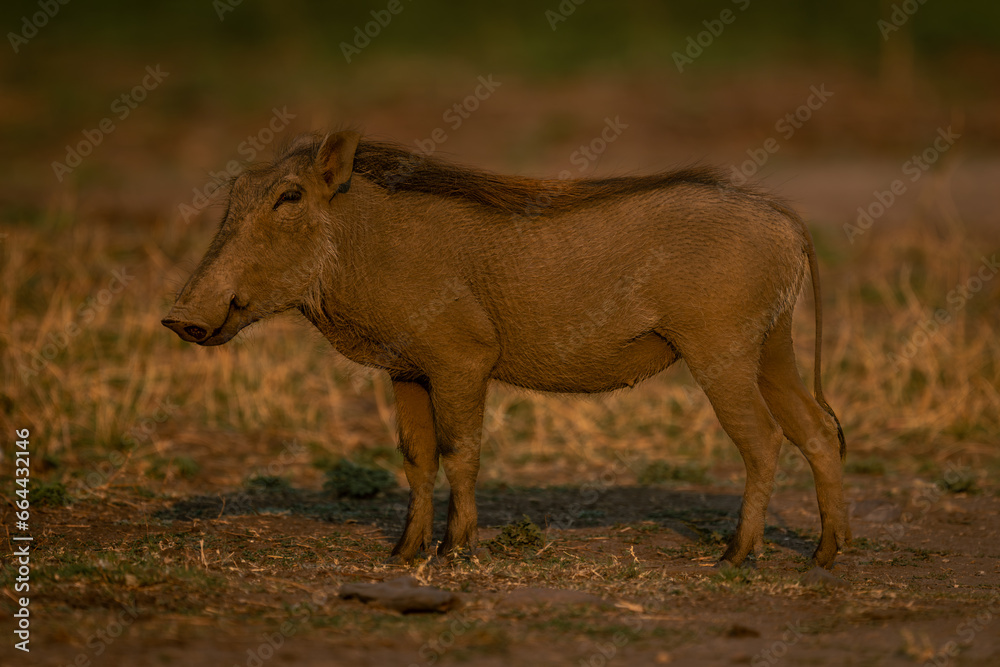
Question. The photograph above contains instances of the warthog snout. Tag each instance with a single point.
(192, 333)
(207, 325)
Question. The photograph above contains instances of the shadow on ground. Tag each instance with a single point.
(698, 516)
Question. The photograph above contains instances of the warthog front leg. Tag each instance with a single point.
(461, 465)
(418, 444)
(458, 418)
(758, 437)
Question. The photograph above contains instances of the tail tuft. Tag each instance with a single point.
(840, 430)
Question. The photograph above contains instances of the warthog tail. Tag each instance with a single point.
(818, 302)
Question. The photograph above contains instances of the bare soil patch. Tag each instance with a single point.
(624, 573)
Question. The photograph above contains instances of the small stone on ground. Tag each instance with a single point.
(404, 594)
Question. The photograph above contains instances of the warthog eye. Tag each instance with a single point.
(288, 195)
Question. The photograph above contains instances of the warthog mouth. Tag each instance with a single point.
(194, 331)
(236, 319)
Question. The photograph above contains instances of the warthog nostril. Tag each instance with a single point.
(195, 332)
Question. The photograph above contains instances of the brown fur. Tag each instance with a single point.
(398, 170)
(448, 277)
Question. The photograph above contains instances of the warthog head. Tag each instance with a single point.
(272, 245)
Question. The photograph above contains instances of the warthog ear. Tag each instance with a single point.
(335, 160)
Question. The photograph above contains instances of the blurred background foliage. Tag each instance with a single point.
(231, 61)
(514, 34)
(230, 65)
(251, 50)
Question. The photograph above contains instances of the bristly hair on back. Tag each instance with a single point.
(399, 169)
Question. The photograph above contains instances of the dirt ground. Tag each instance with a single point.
(215, 578)
(177, 556)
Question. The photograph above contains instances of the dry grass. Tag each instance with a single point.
(90, 370)
(147, 432)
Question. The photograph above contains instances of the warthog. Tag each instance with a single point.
(447, 277)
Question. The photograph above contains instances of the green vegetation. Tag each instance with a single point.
(958, 480)
(659, 472)
(350, 480)
(51, 494)
(869, 465)
(517, 537)
(267, 483)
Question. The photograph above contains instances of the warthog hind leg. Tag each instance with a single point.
(812, 430)
(730, 382)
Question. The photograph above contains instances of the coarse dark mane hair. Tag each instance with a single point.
(397, 169)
